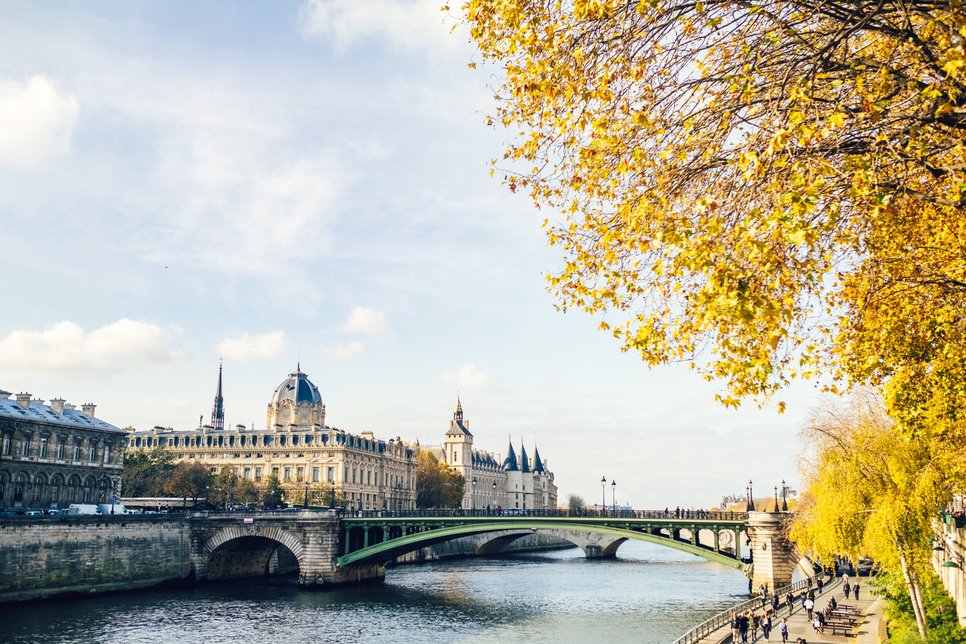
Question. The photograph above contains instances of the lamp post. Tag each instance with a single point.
(305, 499)
(473, 500)
(332, 481)
(603, 494)
(784, 497)
(750, 507)
(384, 504)
(776, 498)
(207, 488)
(494, 492)
(613, 495)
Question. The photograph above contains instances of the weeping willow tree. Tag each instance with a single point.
(873, 490)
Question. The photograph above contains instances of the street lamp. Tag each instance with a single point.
(750, 506)
(383, 490)
(207, 488)
(473, 500)
(784, 497)
(603, 493)
(613, 495)
(332, 481)
(776, 498)
(306, 498)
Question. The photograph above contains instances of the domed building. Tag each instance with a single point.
(299, 448)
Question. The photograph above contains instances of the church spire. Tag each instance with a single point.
(218, 410)
(458, 414)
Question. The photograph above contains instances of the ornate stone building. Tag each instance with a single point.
(299, 448)
(514, 482)
(53, 455)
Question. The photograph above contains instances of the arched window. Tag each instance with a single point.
(18, 486)
(39, 482)
(54, 490)
(3, 488)
(72, 486)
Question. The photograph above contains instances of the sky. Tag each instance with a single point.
(282, 183)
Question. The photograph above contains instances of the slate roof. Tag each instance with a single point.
(524, 462)
(298, 388)
(510, 462)
(537, 463)
(44, 414)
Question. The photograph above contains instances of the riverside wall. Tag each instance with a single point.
(42, 557)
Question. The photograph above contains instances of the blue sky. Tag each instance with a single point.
(278, 181)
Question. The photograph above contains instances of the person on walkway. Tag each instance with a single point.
(820, 618)
(790, 602)
(809, 605)
(754, 626)
(775, 603)
(766, 626)
(846, 588)
(855, 590)
(743, 627)
(735, 627)
(821, 584)
(783, 629)
(834, 604)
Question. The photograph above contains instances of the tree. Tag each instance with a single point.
(145, 473)
(576, 504)
(437, 486)
(189, 480)
(769, 190)
(273, 493)
(874, 491)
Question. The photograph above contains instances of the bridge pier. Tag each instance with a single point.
(773, 554)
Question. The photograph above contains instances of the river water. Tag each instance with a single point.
(649, 594)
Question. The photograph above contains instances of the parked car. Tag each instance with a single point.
(34, 513)
(83, 508)
(56, 512)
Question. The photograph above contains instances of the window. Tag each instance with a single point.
(60, 451)
(299, 473)
(107, 453)
(43, 449)
(76, 452)
(248, 473)
(346, 476)
(25, 446)
(353, 475)
(288, 473)
(369, 477)
(258, 474)
(18, 489)
(315, 475)
(331, 474)
(6, 444)
(92, 453)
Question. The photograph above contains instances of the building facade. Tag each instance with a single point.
(54, 455)
(299, 448)
(513, 482)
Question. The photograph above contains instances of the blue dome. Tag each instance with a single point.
(297, 388)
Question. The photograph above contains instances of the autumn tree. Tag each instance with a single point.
(437, 486)
(769, 190)
(576, 504)
(273, 493)
(192, 480)
(145, 473)
(874, 491)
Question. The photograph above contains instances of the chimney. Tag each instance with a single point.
(69, 406)
(57, 404)
(88, 409)
(23, 400)
(4, 394)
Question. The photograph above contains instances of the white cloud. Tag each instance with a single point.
(252, 348)
(66, 349)
(363, 319)
(418, 24)
(343, 352)
(35, 121)
(469, 378)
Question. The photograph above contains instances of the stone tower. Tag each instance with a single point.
(458, 445)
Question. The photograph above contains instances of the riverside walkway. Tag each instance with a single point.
(866, 631)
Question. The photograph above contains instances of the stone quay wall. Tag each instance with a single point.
(43, 557)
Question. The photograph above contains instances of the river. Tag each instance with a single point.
(649, 594)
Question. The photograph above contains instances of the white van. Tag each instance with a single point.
(83, 508)
(105, 508)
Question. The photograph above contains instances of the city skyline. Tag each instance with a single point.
(308, 182)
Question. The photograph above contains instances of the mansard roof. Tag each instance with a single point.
(40, 413)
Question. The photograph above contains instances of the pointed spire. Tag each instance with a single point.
(537, 463)
(218, 410)
(524, 462)
(458, 414)
(510, 462)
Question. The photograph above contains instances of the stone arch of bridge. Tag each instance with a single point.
(249, 551)
(595, 540)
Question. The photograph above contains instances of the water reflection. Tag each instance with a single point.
(650, 594)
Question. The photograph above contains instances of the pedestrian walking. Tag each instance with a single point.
(790, 602)
(743, 627)
(775, 603)
(846, 588)
(855, 590)
(735, 627)
(809, 606)
(783, 629)
(821, 584)
(766, 627)
(754, 626)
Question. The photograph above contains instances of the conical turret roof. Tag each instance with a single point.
(510, 462)
(524, 462)
(537, 463)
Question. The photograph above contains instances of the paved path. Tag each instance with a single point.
(798, 625)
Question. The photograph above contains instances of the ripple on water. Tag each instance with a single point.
(649, 595)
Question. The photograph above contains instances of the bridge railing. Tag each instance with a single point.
(723, 618)
(562, 514)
